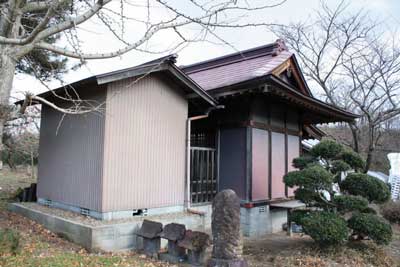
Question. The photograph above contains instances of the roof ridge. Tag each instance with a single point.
(273, 49)
(168, 58)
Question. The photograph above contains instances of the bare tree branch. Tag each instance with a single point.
(345, 56)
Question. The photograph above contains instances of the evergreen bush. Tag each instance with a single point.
(372, 226)
(348, 203)
(317, 179)
(364, 185)
(325, 228)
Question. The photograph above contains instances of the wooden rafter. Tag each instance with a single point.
(290, 65)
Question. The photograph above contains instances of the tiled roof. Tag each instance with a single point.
(238, 67)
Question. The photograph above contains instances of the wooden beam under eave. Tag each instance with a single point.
(295, 71)
(281, 68)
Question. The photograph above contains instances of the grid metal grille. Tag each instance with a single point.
(203, 139)
(203, 179)
(85, 212)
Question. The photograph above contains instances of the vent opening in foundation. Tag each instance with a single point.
(139, 212)
(85, 212)
(47, 202)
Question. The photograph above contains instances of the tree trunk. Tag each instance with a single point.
(10, 161)
(371, 148)
(368, 161)
(7, 71)
(32, 167)
(354, 132)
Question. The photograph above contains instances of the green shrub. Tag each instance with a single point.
(298, 215)
(327, 149)
(369, 210)
(303, 161)
(372, 226)
(353, 159)
(339, 166)
(391, 211)
(366, 186)
(17, 194)
(293, 178)
(311, 177)
(309, 197)
(325, 228)
(9, 242)
(347, 203)
(325, 220)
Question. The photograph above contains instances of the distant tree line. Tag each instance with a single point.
(388, 142)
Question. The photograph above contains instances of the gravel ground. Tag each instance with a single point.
(94, 222)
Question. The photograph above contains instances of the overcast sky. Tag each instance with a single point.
(97, 39)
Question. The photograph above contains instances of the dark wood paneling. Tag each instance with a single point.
(249, 164)
(232, 167)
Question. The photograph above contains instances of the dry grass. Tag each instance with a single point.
(354, 255)
(40, 247)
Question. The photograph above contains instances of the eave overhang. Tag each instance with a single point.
(164, 65)
(312, 132)
(274, 86)
(281, 88)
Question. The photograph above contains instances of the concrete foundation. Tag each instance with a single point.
(116, 236)
(262, 220)
(255, 223)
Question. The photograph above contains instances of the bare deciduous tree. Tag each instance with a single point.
(28, 26)
(352, 65)
(21, 140)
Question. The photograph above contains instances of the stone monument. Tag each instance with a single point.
(227, 238)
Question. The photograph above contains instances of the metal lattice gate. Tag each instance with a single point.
(203, 178)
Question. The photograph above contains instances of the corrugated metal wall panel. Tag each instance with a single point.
(71, 158)
(144, 153)
(293, 152)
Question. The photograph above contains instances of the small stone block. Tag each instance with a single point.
(175, 253)
(151, 247)
(173, 231)
(175, 250)
(227, 263)
(195, 241)
(150, 229)
(196, 258)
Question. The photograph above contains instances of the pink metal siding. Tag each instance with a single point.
(260, 166)
(278, 165)
(293, 152)
(71, 155)
(144, 150)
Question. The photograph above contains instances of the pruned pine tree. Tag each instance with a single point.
(337, 209)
